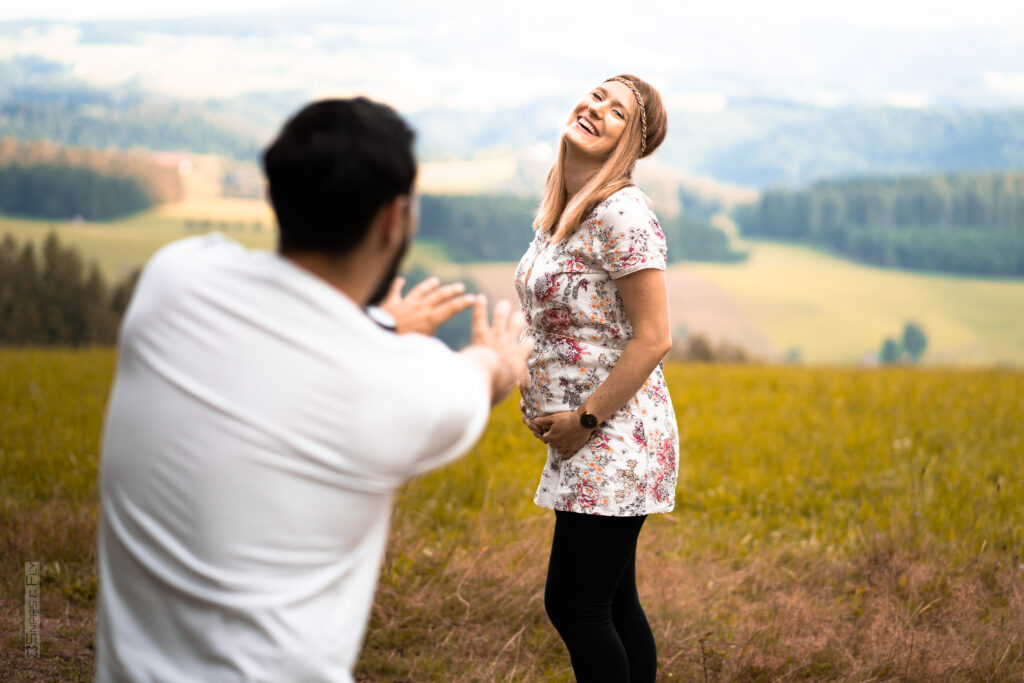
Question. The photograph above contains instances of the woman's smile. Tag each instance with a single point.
(587, 125)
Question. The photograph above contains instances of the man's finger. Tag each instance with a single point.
(422, 289)
(444, 293)
(480, 330)
(516, 323)
(502, 309)
(450, 309)
(395, 293)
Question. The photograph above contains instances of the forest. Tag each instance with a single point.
(970, 223)
(498, 228)
(42, 180)
(84, 118)
(54, 299)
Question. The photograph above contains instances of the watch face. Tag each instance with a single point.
(588, 421)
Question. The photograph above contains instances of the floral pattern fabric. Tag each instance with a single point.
(573, 310)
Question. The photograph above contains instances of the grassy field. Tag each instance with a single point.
(831, 524)
(833, 310)
(782, 298)
(121, 246)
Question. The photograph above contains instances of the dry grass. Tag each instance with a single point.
(831, 524)
(475, 612)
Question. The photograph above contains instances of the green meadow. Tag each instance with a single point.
(119, 247)
(834, 311)
(831, 524)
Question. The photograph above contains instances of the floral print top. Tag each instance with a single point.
(573, 310)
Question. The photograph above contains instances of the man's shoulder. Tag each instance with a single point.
(189, 249)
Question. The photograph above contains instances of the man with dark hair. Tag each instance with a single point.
(260, 421)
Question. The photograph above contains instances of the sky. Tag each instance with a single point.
(906, 53)
(909, 14)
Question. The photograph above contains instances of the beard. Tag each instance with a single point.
(389, 276)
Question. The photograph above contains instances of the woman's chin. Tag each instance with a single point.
(575, 140)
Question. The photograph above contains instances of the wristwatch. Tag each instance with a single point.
(587, 421)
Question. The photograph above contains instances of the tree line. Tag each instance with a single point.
(52, 298)
(499, 228)
(100, 120)
(967, 223)
(42, 180)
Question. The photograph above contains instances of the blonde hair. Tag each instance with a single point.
(560, 216)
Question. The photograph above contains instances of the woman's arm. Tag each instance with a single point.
(645, 297)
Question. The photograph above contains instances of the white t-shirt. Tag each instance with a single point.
(258, 426)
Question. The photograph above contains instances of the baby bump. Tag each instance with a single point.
(563, 372)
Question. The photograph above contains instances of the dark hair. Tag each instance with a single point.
(332, 167)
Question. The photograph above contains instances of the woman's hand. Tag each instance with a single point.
(564, 432)
(530, 424)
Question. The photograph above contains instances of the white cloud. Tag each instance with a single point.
(76, 10)
(906, 99)
(1005, 83)
(697, 102)
(480, 56)
(821, 97)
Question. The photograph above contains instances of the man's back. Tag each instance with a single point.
(257, 429)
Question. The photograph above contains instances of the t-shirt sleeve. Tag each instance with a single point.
(462, 406)
(437, 404)
(629, 237)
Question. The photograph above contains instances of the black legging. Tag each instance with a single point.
(591, 598)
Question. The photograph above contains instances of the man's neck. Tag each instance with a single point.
(348, 274)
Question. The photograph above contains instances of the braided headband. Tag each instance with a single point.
(643, 110)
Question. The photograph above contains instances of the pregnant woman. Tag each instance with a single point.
(592, 287)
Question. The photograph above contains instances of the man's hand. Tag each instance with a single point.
(497, 345)
(564, 432)
(427, 306)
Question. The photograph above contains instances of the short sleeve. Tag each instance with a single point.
(628, 235)
(439, 401)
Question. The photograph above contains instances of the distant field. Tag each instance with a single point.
(783, 297)
(121, 246)
(829, 310)
(830, 524)
(835, 311)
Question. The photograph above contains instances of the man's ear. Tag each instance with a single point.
(394, 216)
